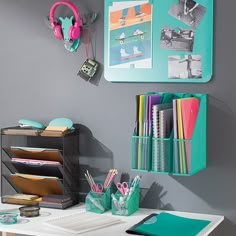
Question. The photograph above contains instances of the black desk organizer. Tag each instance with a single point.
(67, 171)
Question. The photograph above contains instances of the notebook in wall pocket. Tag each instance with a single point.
(190, 107)
(165, 127)
(156, 134)
(153, 99)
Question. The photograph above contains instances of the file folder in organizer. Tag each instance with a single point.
(190, 107)
(183, 165)
(137, 115)
(144, 140)
(47, 154)
(35, 184)
(176, 150)
(141, 121)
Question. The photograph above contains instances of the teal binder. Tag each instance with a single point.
(166, 224)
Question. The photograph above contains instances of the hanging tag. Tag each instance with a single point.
(88, 69)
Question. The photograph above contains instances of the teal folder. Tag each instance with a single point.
(166, 224)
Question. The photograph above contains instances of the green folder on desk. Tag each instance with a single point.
(166, 224)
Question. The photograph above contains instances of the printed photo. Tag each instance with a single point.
(175, 38)
(188, 11)
(187, 67)
(130, 35)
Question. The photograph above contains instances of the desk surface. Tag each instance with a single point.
(35, 226)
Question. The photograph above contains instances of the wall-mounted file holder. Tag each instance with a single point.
(125, 205)
(99, 202)
(176, 156)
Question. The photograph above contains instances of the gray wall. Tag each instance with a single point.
(38, 81)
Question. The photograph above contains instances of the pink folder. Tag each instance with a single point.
(189, 107)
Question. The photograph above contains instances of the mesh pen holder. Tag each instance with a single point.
(125, 205)
(99, 202)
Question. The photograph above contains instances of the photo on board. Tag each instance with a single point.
(175, 38)
(188, 11)
(130, 35)
(187, 67)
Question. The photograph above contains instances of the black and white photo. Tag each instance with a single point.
(186, 67)
(175, 38)
(188, 11)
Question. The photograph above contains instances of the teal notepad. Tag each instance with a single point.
(166, 224)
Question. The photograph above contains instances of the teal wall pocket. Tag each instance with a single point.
(177, 154)
(158, 41)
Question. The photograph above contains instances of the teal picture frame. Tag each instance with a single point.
(176, 47)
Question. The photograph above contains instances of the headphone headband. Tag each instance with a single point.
(70, 5)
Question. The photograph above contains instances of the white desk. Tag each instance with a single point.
(35, 226)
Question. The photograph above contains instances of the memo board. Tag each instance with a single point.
(158, 41)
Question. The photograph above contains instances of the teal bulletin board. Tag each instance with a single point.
(158, 41)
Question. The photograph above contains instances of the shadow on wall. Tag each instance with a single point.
(151, 198)
(213, 184)
(94, 157)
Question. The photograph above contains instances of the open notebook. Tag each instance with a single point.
(81, 222)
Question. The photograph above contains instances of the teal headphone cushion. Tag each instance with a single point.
(31, 123)
(61, 122)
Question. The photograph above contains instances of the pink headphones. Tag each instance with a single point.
(74, 31)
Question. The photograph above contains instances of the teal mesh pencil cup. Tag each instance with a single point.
(99, 202)
(125, 205)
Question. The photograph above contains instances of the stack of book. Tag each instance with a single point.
(56, 201)
(21, 199)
